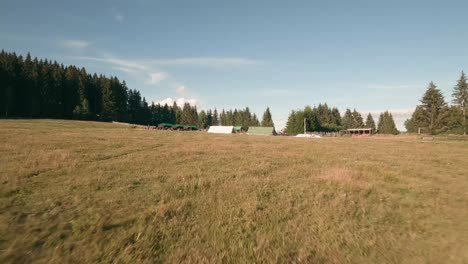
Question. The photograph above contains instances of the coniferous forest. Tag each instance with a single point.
(37, 88)
(433, 115)
(40, 88)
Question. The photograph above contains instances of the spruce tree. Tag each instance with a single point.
(417, 120)
(386, 124)
(215, 121)
(267, 120)
(202, 120)
(358, 122)
(370, 123)
(348, 121)
(434, 108)
(460, 98)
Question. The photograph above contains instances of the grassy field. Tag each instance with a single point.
(93, 192)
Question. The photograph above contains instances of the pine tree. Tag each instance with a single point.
(312, 120)
(215, 121)
(386, 124)
(202, 120)
(295, 123)
(460, 98)
(336, 118)
(222, 118)
(358, 122)
(417, 120)
(267, 120)
(348, 120)
(435, 109)
(255, 121)
(370, 123)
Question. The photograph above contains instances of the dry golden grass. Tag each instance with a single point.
(91, 192)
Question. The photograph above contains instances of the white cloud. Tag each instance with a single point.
(179, 101)
(181, 89)
(74, 44)
(205, 61)
(156, 77)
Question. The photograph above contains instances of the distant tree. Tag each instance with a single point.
(386, 124)
(434, 108)
(370, 123)
(417, 120)
(460, 99)
(254, 121)
(215, 120)
(267, 120)
(82, 111)
(145, 113)
(312, 120)
(348, 120)
(336, 117)
(358, 122)
(295, 123)
(202, 120)
(455, 120)
(134, 106)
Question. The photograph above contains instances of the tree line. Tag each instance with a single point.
(435, 116)
(323, 118)
(37, 88)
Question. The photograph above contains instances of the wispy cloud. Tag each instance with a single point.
(74, 43)
(395, 86)
(127, 64)
(150, 69)
(127, 70)
(181, 89)
(157, 77)
(205, 62)
(117, 15)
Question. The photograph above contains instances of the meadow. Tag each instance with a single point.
(82, 192)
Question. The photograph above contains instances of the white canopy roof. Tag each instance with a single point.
(221, 129)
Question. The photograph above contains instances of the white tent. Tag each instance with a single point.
(221, 129)
(307, 136)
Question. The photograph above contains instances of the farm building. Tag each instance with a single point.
(262, 131)
(221, 129)
(358, 131)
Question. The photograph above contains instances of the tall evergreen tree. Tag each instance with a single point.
(434, 108)
(202, 120)
(348, 120)
(358, 122)
(386, 124)
(460, 98)
(215, 119)
(267, 120)
(417, 120)
(295, 123)
(370, 123)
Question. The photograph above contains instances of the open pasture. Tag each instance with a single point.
(81, 192)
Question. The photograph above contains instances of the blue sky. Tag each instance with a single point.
(368, 55)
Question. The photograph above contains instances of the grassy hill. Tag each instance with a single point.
(75, 191)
